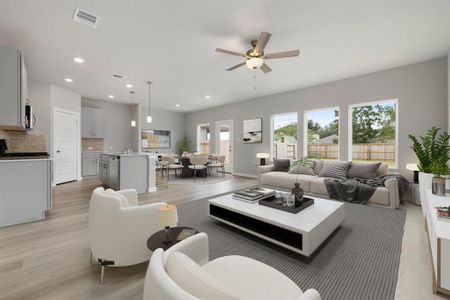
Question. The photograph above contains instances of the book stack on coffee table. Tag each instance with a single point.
(253, 194)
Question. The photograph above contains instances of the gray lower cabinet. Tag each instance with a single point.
(25, 187)
(90, 164)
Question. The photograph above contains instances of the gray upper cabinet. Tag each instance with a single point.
(91, 122)
(13, 87)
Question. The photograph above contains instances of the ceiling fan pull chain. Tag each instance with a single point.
(254, 80)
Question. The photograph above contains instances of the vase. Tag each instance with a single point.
(424, 185)
(438, 186)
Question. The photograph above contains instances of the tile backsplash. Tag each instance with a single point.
(23, 141)
(92, 144)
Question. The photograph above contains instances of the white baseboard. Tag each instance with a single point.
(246, 175)
(151, 190)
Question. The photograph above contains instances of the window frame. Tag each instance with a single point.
(305, 128)
(272, 154)
(350, 126)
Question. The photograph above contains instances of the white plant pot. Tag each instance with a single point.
(425, 180)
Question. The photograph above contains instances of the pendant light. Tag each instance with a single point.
(133, 121)
(149, 116)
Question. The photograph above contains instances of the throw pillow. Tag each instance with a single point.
(192, 278)
(305, 168)
(365, 171)
(123, 200)
(335, 169)
(318, 165)
(281, 165)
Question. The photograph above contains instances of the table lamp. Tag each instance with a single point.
(262, 158)
(415, 168)
(167, 216)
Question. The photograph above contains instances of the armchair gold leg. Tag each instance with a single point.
(102, 274)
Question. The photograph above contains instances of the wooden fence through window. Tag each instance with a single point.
(375, 151)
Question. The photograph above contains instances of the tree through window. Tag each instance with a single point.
(373, 128)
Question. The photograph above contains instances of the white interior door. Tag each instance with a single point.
(224, 142)
(65, 146)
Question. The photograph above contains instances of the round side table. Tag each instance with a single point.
(156, 240)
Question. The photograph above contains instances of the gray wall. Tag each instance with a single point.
(421, 90)
(164, 120)
(116, 124)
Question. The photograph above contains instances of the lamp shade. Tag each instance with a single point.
(262, 155)
(412, 167)
(167, 216)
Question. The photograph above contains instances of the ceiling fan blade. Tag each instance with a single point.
(262, 42)
(265, 68)
(229, 52)
(292, 53)
(236, 66)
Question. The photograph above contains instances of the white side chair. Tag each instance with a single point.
(184, 272)
(171, 165)
(220, 164)
(119, 228)
(198, 162)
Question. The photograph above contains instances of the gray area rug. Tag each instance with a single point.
(360, 260)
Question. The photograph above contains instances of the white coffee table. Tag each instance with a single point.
(302, 232)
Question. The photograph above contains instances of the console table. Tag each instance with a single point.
(439, 240)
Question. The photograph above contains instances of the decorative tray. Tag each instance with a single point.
(271, 202)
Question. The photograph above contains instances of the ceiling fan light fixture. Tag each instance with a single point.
(254, 62)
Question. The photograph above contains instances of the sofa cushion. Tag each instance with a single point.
(251, 279)
(285, 180)
(335, 169)
(318, 186)
(281, 165)
(363, 170)
(192, 278)
(304, 168)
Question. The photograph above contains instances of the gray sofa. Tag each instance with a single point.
(387, 196)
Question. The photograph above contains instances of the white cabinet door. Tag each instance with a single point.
(10, 87)
(98, 122)
(65, 147)
(86, 122)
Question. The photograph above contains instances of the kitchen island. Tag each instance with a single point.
(120, 171)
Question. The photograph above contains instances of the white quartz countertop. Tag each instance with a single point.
(23, 159)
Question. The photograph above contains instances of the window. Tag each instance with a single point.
(322, 133)
(284, 136)
(373, 132)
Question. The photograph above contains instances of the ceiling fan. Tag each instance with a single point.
(255, 57)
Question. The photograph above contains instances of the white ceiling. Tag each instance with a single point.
(172, 43)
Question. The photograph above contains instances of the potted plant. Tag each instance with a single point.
(439, 170)
(183, 145)
(431, 151)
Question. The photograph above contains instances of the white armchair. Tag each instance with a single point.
(119, 228)
(184, 272)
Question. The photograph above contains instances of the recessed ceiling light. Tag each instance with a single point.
(177, 105)
(207, 97)
(78, 60)
(68, 79)
(129, 85)
(111, 96)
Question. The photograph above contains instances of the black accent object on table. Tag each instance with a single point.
(298, 206)
(157, 239)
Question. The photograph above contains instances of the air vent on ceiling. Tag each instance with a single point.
(117, 76)
(82, 16)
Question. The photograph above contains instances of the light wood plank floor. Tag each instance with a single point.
(50, 259)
